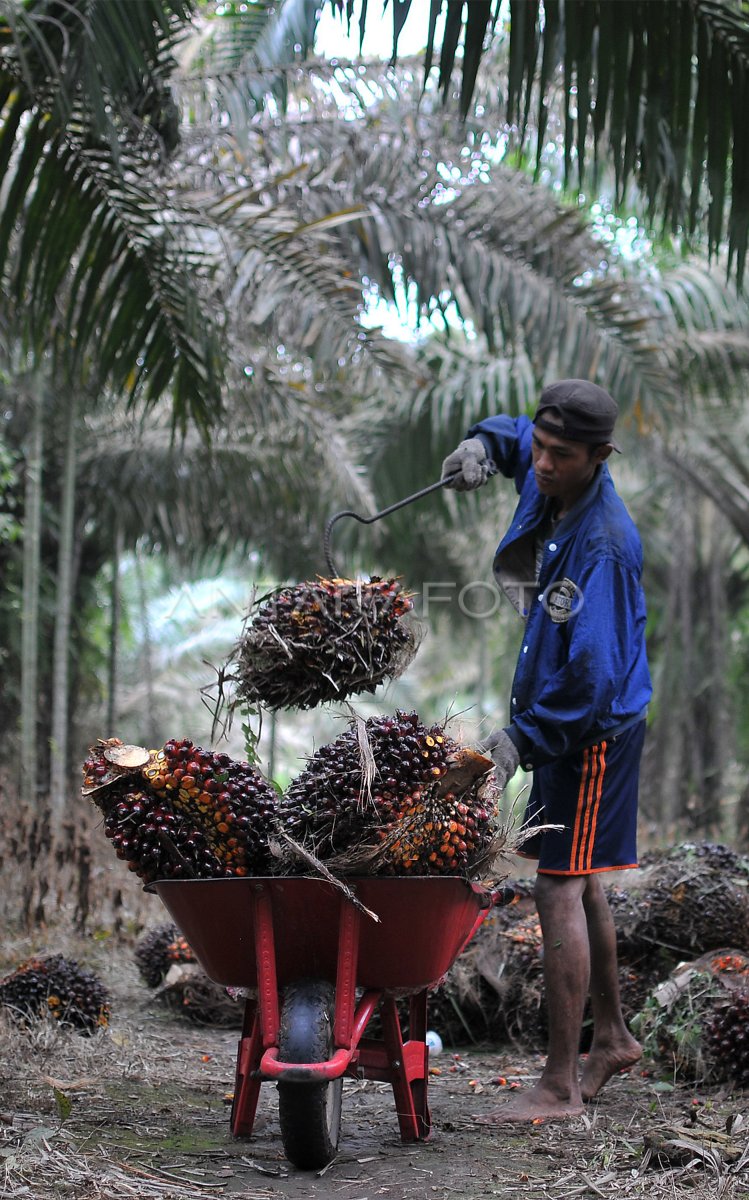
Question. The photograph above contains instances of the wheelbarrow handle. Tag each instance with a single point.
(433, 487)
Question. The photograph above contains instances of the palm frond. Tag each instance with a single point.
(660, 90)
(240, 55)
(667, 87)
(713, 346)
(290, 282)
(99, 262)
(108, 261)
(266, 482)
(482, 241)
(110, 61)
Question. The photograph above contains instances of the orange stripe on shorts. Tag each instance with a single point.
(580, 806)
(588, 805)
(597, 805)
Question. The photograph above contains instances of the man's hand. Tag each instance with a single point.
(471, 463)
(504, 754)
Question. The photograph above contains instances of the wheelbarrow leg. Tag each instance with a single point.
(407, 1064)
(247, 1082)
(417, 1033)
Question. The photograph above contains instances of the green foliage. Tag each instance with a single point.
(10, 526)
(671, 1023)
(659, 91)
(251, 729)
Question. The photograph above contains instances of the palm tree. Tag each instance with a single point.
(117, 274)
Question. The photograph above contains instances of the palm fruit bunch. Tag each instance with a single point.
(181, 812)
(189, 993)
(230, 802)
(393, 796)
(160, 949)
(726, 1028)
(696, 1019)
(56, 987)
(323, 640)
(727, 1038)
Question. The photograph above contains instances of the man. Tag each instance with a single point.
(571, 563)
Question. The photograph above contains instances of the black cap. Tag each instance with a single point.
(578, 410)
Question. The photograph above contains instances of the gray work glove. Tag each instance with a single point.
(505, 755)
(472, 464)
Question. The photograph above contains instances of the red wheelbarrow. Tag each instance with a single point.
(319, 968)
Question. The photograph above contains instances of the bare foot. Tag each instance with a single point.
(537, 1104)
(605, 1061)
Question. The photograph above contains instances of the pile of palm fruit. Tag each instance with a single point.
(181, 812)
(59, 988)
(158, 951)
(692, 898)
(325, 640)
(687, 901)
(394, 797)
(388, 796)
(167, 964)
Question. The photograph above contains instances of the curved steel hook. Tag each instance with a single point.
(433, 487)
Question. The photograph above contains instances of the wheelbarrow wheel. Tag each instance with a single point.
(310, 1113)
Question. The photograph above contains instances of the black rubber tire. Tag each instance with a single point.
(310, 1113)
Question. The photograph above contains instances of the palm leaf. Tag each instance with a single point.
(239, 55)
(267, 482)
(666, 86)
(131, 276)
(497, 252)
(110, 60)
(289, 279)
(660, 112)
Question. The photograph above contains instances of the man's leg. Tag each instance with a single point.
(559, 899)
(613, 1046)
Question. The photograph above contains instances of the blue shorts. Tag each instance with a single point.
(593, 795)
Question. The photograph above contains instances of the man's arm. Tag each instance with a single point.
(499, 443)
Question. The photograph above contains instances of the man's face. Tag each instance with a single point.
(563, 469)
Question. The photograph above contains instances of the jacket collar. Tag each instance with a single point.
(589, 496)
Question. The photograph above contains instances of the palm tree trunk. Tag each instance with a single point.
(32, 528)
(115, 608)
(147, 652)
(61, 656)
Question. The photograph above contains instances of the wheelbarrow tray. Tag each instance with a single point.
(423, 925)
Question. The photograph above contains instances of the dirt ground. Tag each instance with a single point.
(142, 1110)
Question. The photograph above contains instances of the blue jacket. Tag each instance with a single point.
(582, 672)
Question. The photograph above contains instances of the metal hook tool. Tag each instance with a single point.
(433, 487)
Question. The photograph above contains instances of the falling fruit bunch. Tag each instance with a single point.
(314, 642)
(56, 987)
(160, 949)
(181, 812)
(382, 796)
